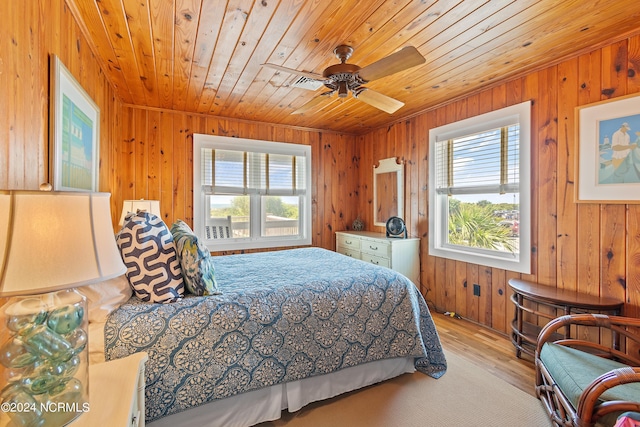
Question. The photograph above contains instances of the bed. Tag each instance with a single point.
(289, 328)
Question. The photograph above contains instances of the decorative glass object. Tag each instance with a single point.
(50, 243)
(41, 356)
(358, 224)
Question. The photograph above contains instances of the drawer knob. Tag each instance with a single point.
(348, 242)
(375, 248)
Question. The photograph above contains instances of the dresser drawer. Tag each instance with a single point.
(381, 261)
(349, 242)
(348, 252)
(378, 248)
(401, 255)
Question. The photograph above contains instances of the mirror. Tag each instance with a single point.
(388, 191)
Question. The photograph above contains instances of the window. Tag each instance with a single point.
(251, 194)
(479, 189)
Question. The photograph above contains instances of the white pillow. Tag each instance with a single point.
(105, 297)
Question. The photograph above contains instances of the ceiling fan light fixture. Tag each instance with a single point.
(344, 78)
(343, 90)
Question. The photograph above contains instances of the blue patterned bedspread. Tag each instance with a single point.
(282, 316)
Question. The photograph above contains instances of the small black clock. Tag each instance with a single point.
(396, 227)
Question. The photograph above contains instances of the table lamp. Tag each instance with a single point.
(50, 243)
(128, 206)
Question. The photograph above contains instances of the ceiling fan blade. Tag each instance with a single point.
(405, 58)
(315, 101)
(314, 76)
(378, 100)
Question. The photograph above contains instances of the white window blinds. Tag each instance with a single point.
(486, 162)
(246, 172)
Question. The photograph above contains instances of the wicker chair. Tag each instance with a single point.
(582, 383)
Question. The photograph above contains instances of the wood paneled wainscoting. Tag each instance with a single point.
(592, 248)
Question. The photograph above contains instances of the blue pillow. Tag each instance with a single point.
(147, 249)
(195, 261)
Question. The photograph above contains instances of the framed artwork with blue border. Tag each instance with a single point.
(608, 154)
(74, 133)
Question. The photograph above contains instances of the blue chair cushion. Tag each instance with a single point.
(573, 370)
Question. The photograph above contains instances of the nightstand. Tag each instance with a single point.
(529, 297)
(116, 393)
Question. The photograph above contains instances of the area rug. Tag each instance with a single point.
(465, 396)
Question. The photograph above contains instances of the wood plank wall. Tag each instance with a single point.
(592, 248)
(31, 32)
(154, 160)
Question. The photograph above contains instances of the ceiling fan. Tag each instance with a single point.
(345, 77)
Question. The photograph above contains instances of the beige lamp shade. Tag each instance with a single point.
(151, 206)
(55, 240)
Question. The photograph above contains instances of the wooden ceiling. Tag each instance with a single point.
(205, 55)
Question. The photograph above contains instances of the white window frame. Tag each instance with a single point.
(201, 141)
(438, 204)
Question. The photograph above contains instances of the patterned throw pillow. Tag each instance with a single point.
(195, 260)
(147, 249)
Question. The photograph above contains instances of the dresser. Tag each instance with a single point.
(401, 255)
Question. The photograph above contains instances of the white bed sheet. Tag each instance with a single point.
(96, 342)
(266, 404)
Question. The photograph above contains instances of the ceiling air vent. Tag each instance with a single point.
(306, 83)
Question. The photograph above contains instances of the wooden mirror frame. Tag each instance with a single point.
(388, 177)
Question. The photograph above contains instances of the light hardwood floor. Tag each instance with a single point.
(486, 348)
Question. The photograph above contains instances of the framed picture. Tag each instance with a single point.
(608, 157)
(74, 133)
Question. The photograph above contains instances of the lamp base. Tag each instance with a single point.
(43, 359)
